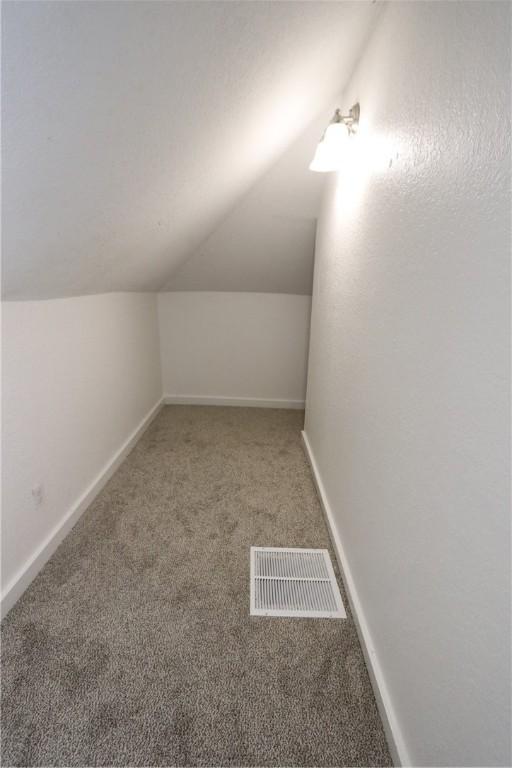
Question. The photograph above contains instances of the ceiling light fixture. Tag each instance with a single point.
(329, 151)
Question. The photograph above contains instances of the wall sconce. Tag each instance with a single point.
(329, 150)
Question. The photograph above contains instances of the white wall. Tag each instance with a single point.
(79, 375)
(408, 404)
(234, 346)
(254, 250)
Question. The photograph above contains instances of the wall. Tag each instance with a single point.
(242, 347)
(408, 403)
(254, 250)
(79, 376)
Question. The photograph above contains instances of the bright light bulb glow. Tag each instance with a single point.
(324, 160)
(371, 155)
(330, 152)
(336, 135)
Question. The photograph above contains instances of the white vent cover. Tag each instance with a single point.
(294, 582)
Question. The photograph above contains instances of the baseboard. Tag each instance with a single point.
(29, 571)
(394, 736)
(245, 402)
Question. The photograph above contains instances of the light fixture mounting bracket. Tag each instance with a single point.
(351, 120)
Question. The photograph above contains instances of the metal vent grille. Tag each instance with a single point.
(294, 582)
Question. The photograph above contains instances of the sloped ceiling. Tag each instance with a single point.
(138, 134)
(266, 242)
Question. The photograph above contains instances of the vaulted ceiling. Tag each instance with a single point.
(150, 145)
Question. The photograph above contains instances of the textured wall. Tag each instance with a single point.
(78, 376)
(408, 400)
(234, 345)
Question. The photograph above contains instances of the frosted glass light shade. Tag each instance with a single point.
(330, 151)
(323, 161)
(336, 135)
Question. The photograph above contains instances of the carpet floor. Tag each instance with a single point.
(134, 645)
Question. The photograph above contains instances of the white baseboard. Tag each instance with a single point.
(394, 735)
(31, 568)
(246, 402)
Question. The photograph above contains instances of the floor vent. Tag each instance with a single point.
(294, 582)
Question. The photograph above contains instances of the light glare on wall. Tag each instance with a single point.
(330, 151)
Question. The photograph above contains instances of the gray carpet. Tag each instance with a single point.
(134, 647)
